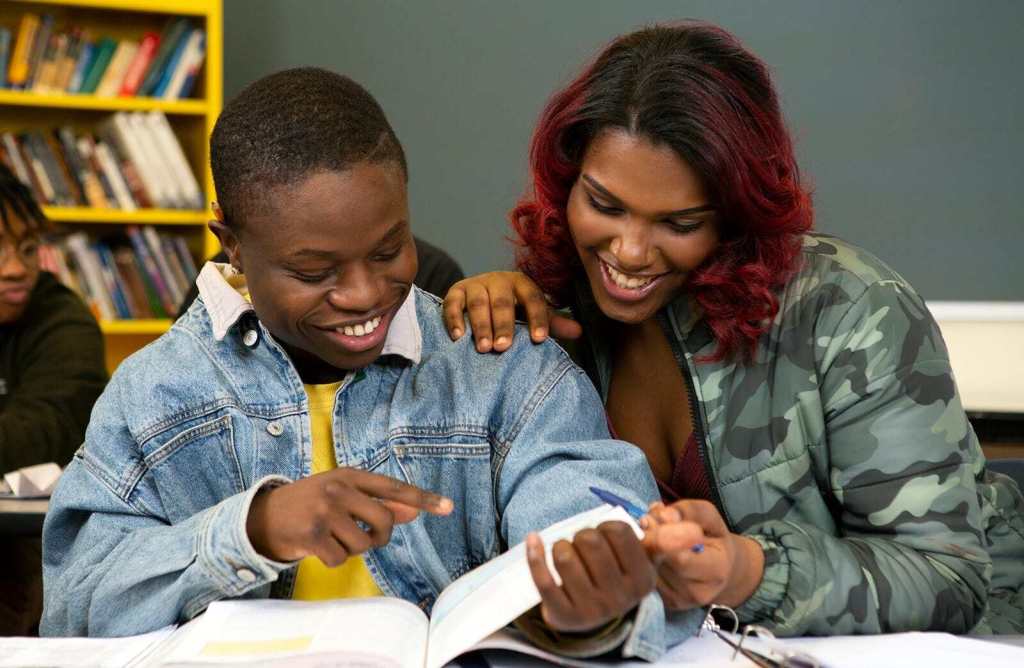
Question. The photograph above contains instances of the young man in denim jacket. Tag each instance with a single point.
(199, 479)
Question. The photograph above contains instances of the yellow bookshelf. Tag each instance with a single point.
(83, 214)
(110, 104)
(192, 121)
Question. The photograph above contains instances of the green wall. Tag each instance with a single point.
(907, 115)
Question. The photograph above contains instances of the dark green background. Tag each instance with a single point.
(907, 115)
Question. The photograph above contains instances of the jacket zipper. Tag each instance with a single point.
(695, 418)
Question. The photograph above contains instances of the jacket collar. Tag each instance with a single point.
(223, 290)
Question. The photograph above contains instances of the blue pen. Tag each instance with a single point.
(635, 511)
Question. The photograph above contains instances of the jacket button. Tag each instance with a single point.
(275, 428)
(250, 337)
(245, 575)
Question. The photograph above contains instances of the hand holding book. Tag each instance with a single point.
(604, 574)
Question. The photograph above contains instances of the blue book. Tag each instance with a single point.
(112, 281)
(5, 55)
(81, 67)
(193, 73)
(172, 64)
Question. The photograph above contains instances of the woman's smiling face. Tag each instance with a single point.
(641, 221)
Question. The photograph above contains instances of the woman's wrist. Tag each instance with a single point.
(748, 569)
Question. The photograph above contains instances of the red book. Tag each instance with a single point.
(137, 69)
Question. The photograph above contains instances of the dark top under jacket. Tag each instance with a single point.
(51, 372)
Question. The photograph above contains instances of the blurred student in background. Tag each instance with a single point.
(51, 372)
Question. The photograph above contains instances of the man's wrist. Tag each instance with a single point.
(256, 521)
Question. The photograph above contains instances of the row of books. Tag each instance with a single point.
(142, 273)
(133, 160)
(42, 60)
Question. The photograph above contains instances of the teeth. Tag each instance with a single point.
(362, 329)
(625, 280)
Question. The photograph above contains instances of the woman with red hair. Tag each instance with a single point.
(791, 392)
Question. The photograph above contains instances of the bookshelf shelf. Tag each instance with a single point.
(155, 326)
(54, 120)
(96, 103)
(77, 214)
(183, 7)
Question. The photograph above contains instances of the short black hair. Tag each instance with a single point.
(16, 198)
(289, 125)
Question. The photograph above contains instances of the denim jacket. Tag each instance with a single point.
(147, 525)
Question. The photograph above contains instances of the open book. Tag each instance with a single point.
(371, 632)
(376, 631)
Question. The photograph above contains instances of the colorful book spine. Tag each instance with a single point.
(87, 149)
(169, 39)
(5, 55)
(167, 250)
(47, 69)
(104, 51)
(185, 255)
(17, 71)
(109, 164)
(42, 40)
(111, 81)
(151, 269)
(137, 69)
(89, 266)
(72, 190)
(131, 279)
(35, 162)
(152, 296)
(17, 162)
(172, 63)
(85, 58)
(174, 288)
(108, 269)
(66, 66)
(188, 67)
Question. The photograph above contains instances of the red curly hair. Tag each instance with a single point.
(692, 87)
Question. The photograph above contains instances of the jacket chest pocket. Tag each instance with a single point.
(196, 466)
(462, 472)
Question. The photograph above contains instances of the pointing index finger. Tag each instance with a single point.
(390, 489)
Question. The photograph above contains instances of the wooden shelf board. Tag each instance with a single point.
(95, 103)
(155, 326)
(187, 7)
(82, 214)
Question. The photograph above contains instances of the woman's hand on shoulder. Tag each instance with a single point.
(491, 300)
(727, 570)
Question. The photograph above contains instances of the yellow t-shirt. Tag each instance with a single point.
(315, 581)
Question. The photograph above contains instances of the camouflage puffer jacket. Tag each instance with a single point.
(843, 449)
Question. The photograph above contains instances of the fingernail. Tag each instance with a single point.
(538, 333)
(445, 504)
(501, 341)
(457, 333)
(484, 344)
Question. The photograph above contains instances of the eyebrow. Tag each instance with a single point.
(397, 230)
(592, 182)
(318, 254)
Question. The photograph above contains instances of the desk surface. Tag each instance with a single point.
(22, 516)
